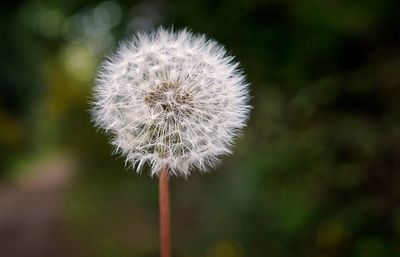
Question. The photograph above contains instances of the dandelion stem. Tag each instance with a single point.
(165, 220)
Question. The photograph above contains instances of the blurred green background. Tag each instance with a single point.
(317, 172)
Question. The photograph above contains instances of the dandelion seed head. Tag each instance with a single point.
(171, 98)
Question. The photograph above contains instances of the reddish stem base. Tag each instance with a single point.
(165, 216)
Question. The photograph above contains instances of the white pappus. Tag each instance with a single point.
(171, 99)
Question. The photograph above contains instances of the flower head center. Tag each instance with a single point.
(169, 97)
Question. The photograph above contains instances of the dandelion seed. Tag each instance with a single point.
(171, 99)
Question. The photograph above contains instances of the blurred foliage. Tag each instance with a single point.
(317, 172)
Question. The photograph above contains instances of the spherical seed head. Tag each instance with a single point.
(171, 98)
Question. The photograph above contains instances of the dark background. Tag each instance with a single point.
(317, 172)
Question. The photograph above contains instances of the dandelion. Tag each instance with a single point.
(173, 101)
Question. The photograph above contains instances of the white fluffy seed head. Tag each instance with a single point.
(171, 99)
